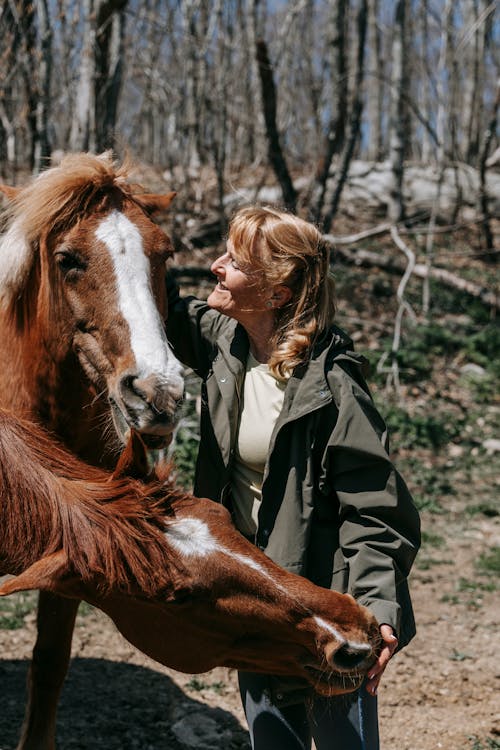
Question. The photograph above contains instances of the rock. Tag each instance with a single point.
(472, 369)
(492, 445)
(196, 730)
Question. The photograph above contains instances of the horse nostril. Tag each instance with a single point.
(350, 655)
(139, 391)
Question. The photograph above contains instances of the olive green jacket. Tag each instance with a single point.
(334, 508)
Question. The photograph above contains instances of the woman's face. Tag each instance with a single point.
(241, 291)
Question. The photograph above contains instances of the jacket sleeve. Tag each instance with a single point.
(192, 328)
(379, 531)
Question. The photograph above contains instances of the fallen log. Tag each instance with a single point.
(368, 258)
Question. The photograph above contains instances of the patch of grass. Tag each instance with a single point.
(426, 563)
(421, 430)
(184, 456)
(483, 387)
(489, 562)
(432, 540)
(483, 348)
(14, 608)
(184, 449)
(459, 656)
(429, 485)
(464, 584)
(450, 599)
(196, 684)
(487, 743)
(484, 509)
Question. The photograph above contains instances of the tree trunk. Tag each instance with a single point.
(338, 100)
(42, 142)
(109, 64)
(487, 232)
(375, 79)
(100, 75)
(275, 152)
(83, 128)
(355, 118)
(397, 137)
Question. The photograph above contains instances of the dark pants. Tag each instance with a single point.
(334, 723)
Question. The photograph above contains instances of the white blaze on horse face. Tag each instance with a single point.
(135, 298)
(333, 631)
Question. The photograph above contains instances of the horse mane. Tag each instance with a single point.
(53, 202)
(112, 530)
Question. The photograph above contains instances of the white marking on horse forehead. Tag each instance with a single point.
(135, 296)
(16, 256)
(191, 537)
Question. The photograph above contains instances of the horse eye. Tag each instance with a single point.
(69, 261)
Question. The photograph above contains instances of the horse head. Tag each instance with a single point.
(82, 276)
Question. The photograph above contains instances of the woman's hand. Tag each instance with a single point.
(389, 645)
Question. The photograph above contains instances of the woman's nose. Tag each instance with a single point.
(218, 264)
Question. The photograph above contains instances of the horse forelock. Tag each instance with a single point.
(52, 203)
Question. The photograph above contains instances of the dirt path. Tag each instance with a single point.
(439, 693)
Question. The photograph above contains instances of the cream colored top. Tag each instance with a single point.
(262, 401)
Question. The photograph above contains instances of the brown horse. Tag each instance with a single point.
(178, 580)
(82, 337)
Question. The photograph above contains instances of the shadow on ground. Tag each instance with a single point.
(114, 706)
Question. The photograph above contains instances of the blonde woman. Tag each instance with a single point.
(292, 443)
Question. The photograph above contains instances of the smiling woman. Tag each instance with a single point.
(292, 445)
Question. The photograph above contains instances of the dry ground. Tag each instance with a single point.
(441, 692)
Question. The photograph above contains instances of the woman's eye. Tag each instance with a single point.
(234, 264)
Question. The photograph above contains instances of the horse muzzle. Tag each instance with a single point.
(149, 404)
(343, 670)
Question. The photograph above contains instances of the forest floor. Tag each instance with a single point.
(442, 690)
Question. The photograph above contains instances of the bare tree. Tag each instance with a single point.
(487, 232)
(275, 152)
(338, 101)
(375, 81)
(397, 134)
(354, 120)
(42, 146)
(100, 75)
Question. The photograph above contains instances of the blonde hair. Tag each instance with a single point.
(292, 252)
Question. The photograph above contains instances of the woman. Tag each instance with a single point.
(292, 443)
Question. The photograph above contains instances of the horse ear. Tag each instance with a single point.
(44, 574)
(133, 461)
(9, 192)
(154, 204)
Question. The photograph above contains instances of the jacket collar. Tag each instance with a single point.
(307, 388)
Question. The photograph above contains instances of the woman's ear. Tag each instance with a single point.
(281, 295)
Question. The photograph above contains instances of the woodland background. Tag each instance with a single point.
(376, 119)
